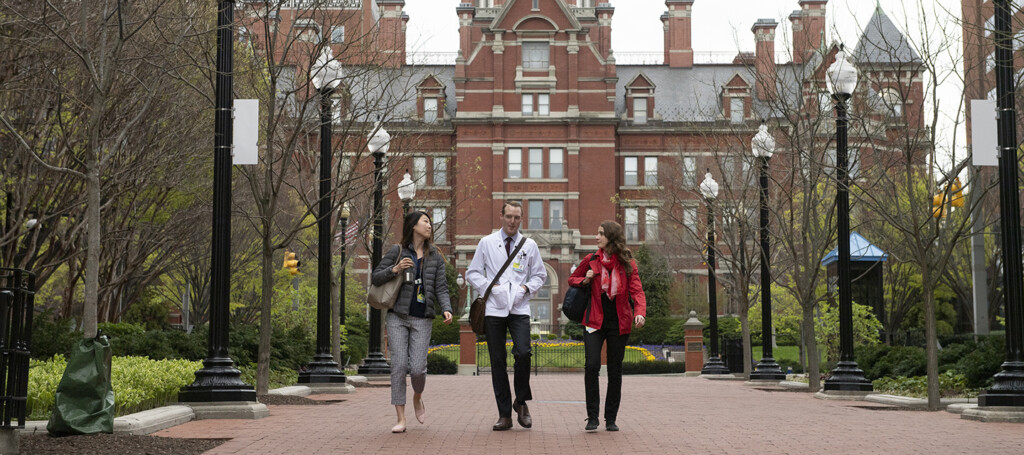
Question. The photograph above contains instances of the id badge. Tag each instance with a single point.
(518, 266)
(419, 297)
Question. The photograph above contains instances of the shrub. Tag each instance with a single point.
(439, 364)
(139, 383)
(575, 331)
(654, 331)
(442, 333)
(282, 377)
(52, 336)
(676, 335)
(653, 367)
(891, 361)
(951, 383)
(979, 365)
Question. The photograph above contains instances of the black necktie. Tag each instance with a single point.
(508, 245)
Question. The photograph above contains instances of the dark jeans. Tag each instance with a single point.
(519, 326)
(616, 351)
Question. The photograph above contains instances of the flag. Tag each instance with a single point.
(349, 236)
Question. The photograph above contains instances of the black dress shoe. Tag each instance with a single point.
(523, 413)
(591, 425)
(611, 426)
(503, 423)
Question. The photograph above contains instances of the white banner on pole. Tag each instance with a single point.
(245, 149)
(984, 144)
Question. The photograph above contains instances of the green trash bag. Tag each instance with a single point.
(84, 403)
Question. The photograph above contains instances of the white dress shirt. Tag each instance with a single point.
(527, 269)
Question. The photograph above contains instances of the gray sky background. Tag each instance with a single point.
(724, 26)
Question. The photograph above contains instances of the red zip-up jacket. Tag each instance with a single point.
(594, 316)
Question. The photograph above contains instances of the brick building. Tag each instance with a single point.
(536, 108)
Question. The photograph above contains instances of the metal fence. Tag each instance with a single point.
(17, 294)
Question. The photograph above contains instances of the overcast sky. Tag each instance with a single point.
(724, 26)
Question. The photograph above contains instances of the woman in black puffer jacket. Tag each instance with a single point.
(410, 321)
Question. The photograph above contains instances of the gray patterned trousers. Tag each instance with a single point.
(408, 340)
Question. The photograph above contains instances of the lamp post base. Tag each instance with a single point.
(767, 369)
(217, 381)
(321, 370)
(375, 363)
(848, 377)
(1007, 389)
(714, 365)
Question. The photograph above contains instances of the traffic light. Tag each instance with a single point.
(938, 206)
(291, 263)
(956, 193)
(943, 202)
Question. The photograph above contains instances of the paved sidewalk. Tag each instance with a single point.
(659, 414)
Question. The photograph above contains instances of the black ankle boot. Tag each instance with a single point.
(591, 424)
(611, 426)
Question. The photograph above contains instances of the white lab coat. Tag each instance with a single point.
(527, 269)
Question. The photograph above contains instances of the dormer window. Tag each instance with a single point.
(640, 99)
(536, 55)
(430, 110)
(430, 99)
(639, 111)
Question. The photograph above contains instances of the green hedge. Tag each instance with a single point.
(976, 361)
(951, 383)
(139, 383)
(440, 364)
(442, 333)
(654, 331)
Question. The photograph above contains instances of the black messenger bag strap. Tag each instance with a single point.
(508, 261)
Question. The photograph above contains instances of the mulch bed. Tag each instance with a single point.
(142, 445)
(114, 444)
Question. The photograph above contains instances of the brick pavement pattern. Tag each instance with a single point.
(659, 415)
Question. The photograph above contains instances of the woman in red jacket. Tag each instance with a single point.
(617, 303)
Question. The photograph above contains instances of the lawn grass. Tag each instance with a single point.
(557, 355)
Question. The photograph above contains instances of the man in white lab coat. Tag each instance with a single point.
(508, 308)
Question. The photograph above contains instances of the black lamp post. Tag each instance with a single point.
(343, 221)
(842, 77)
(1008, 385)
(714, 365)
(219, 380)
(406, 192)
(379, 142)
(323, 369)
(763, 147)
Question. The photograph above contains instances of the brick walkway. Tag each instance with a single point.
(658, 415)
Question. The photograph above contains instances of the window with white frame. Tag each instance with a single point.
(651, 224)
(639, 111)
(651, 171)
(690, 218)
(556, 168)
(527, 103)
(536, 55)
(824, 103)
(556, 210)
(515, 163)
(853, 161)
(430, 110)
(338, 35)
(439, 216)
(689, 171)
(535, 215)
(536, 164)
(307, 30)
(748, 173)
(336, 109)
(630, 166)
(736, 107)
(632, 224)
(543, 104)
(419, 170)
(440, 171)
(536, 4)
(728, 168)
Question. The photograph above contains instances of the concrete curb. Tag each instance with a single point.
(153, 420)
(294, 391)
(994, 414)
(915, 403)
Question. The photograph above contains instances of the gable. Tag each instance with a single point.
(555, 12)
(430, 82)
(640, 81)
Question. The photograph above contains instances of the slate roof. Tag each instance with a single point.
(861, 250)
(882, 43)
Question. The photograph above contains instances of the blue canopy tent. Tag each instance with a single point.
(865, 273)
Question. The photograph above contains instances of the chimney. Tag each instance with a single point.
(678, 45)
(391, 33)
(764, 57)
(808, 28)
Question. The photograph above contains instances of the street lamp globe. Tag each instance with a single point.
(763, 144)
(379, 140)
(460, 281)
(406, 188)
(326, 72)
(344, 210)
(842, 75)
(709, 187)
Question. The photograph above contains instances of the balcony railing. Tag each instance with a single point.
(328, 4)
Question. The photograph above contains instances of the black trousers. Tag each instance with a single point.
(518, 325)
(616, 351)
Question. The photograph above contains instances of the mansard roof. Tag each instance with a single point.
(883, 44)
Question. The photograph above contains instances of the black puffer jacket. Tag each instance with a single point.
(435, 285)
